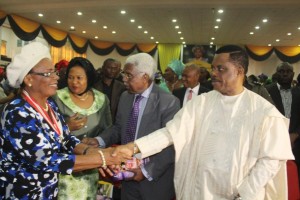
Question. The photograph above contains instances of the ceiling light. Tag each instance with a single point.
(146, 32)
(179, 32)
(94, 21)
(105, 27)
(181, 38)
(277, 40)
(269, 45)
(183, 42)
(211, 43)
(72, 27)
(299, 28)
(40, 15)
(140, 27)
(218, 20)
(58, 22)
(289, 34)
(265, 20)
(298, 45)
(83, 31)
(251, 33)
(132, 20)
(96, 37)
(123, 12)
(213, 38)
(152, 38)
(220, 11)
(174, 20)
(113, 32)
(257, 27)
(177, 27)
(156, 42)
(216, 27)
(79, 13)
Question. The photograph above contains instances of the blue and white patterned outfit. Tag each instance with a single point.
(32, 154)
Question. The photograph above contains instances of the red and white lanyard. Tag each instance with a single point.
(53, 123)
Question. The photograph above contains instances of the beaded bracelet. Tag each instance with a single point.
(103, 159)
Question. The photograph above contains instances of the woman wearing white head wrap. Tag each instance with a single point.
(35, 142)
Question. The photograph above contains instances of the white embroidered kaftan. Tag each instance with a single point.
(225, 146)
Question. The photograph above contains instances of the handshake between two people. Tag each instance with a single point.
(119, 161)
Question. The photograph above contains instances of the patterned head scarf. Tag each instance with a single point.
(177, 66)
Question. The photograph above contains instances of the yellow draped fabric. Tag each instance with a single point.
(289, 51)
(101, 44)
(125, 46)
(146, 47)
(66, 52)
(259, 50)
(79, 41)
(166, 53)
(26, 24)
(55, 33)
(2, 14)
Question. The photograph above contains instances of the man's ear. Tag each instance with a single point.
(241, 71)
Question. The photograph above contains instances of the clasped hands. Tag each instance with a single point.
(115, 157)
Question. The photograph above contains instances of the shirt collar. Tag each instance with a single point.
(147, 92)
(195, 89)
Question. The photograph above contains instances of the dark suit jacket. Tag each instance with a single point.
(117, 89)
(295, 108)
(295, 115)
(180, 92)
(160, 108)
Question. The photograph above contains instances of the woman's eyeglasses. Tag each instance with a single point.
(45, 74)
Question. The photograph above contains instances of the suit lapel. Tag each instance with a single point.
(151, 106)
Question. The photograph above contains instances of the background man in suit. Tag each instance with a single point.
(192, 87)
(109, 85)
(286, 100)
(153, 180)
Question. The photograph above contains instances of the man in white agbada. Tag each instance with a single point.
(230, 143)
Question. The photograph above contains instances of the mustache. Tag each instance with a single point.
(215, 80)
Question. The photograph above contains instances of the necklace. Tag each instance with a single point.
(47, 108)
(84, 97)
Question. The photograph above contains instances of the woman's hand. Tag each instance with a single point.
(76, 122)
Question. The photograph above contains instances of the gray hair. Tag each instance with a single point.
(143, 62)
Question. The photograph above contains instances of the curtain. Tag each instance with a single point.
(166, 53)
(65, 52)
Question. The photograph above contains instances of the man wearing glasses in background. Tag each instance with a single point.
(142, 109)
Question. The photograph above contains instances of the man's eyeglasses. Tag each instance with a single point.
(130, 76)
(45, 74)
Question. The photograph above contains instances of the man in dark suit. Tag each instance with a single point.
(192, 87)
(286, 100)
(153, 180)
(109, 85)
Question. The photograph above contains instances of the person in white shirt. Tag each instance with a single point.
(192, 87)
(230, 143)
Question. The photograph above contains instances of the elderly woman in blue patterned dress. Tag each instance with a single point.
(87, 113)
(36, 144)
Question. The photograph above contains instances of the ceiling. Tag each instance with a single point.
(196, 20)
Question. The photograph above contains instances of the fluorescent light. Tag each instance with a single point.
(79, 13)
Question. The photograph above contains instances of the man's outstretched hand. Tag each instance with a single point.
(125, 151)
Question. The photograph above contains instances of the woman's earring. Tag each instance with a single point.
(29, 85)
